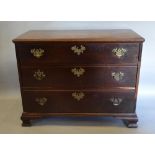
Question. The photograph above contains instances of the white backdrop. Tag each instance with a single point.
(9, 85)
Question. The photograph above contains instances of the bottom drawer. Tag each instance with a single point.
(78, 102)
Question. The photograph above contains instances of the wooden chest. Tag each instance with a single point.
(79, 72)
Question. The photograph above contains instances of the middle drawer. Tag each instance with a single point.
(79, 77)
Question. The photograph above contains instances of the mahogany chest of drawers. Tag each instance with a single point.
(79, 73)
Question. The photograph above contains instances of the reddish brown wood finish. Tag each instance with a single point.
(92, 102)
(111, 35)
(93, 77)
(95, 53)
(96, 83)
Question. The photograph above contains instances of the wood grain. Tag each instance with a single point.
(92, 78)
(95, 53)
(111, 35)
(96, 83)
(92, 102)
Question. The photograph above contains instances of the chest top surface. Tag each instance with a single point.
(105, 35)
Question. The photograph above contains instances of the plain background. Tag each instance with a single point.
(9, 85)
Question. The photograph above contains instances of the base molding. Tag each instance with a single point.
(129, 119)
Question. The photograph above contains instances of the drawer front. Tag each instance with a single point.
(79, 53)
(79, 77)
(78, 102)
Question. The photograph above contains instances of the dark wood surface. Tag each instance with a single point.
(96, 83)
(92, 102)
(111, 35)
(93, 77)
(95, 53)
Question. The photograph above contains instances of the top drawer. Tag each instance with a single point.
(78, 53)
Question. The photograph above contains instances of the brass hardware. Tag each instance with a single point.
(37, 52)
(78, 72)
(116, 101)
(38, 75)
(41, 101)
(117, 75)
(119, 52)
(78, 50)
(78, 95)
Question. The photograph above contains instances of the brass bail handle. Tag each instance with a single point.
(78, 95)
(78, 50)
(78, 71)
(39, 75)
(41, 101)
(37, 52)
(116, 101)
(118, 76)
(119, 52)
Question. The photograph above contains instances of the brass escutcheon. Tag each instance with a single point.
(117, 75)
(39, 75)
(116, 101)
(78, 95)
(78, 50)
(37, 52)
(78, 71)
(119, 52)
(41, 101)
